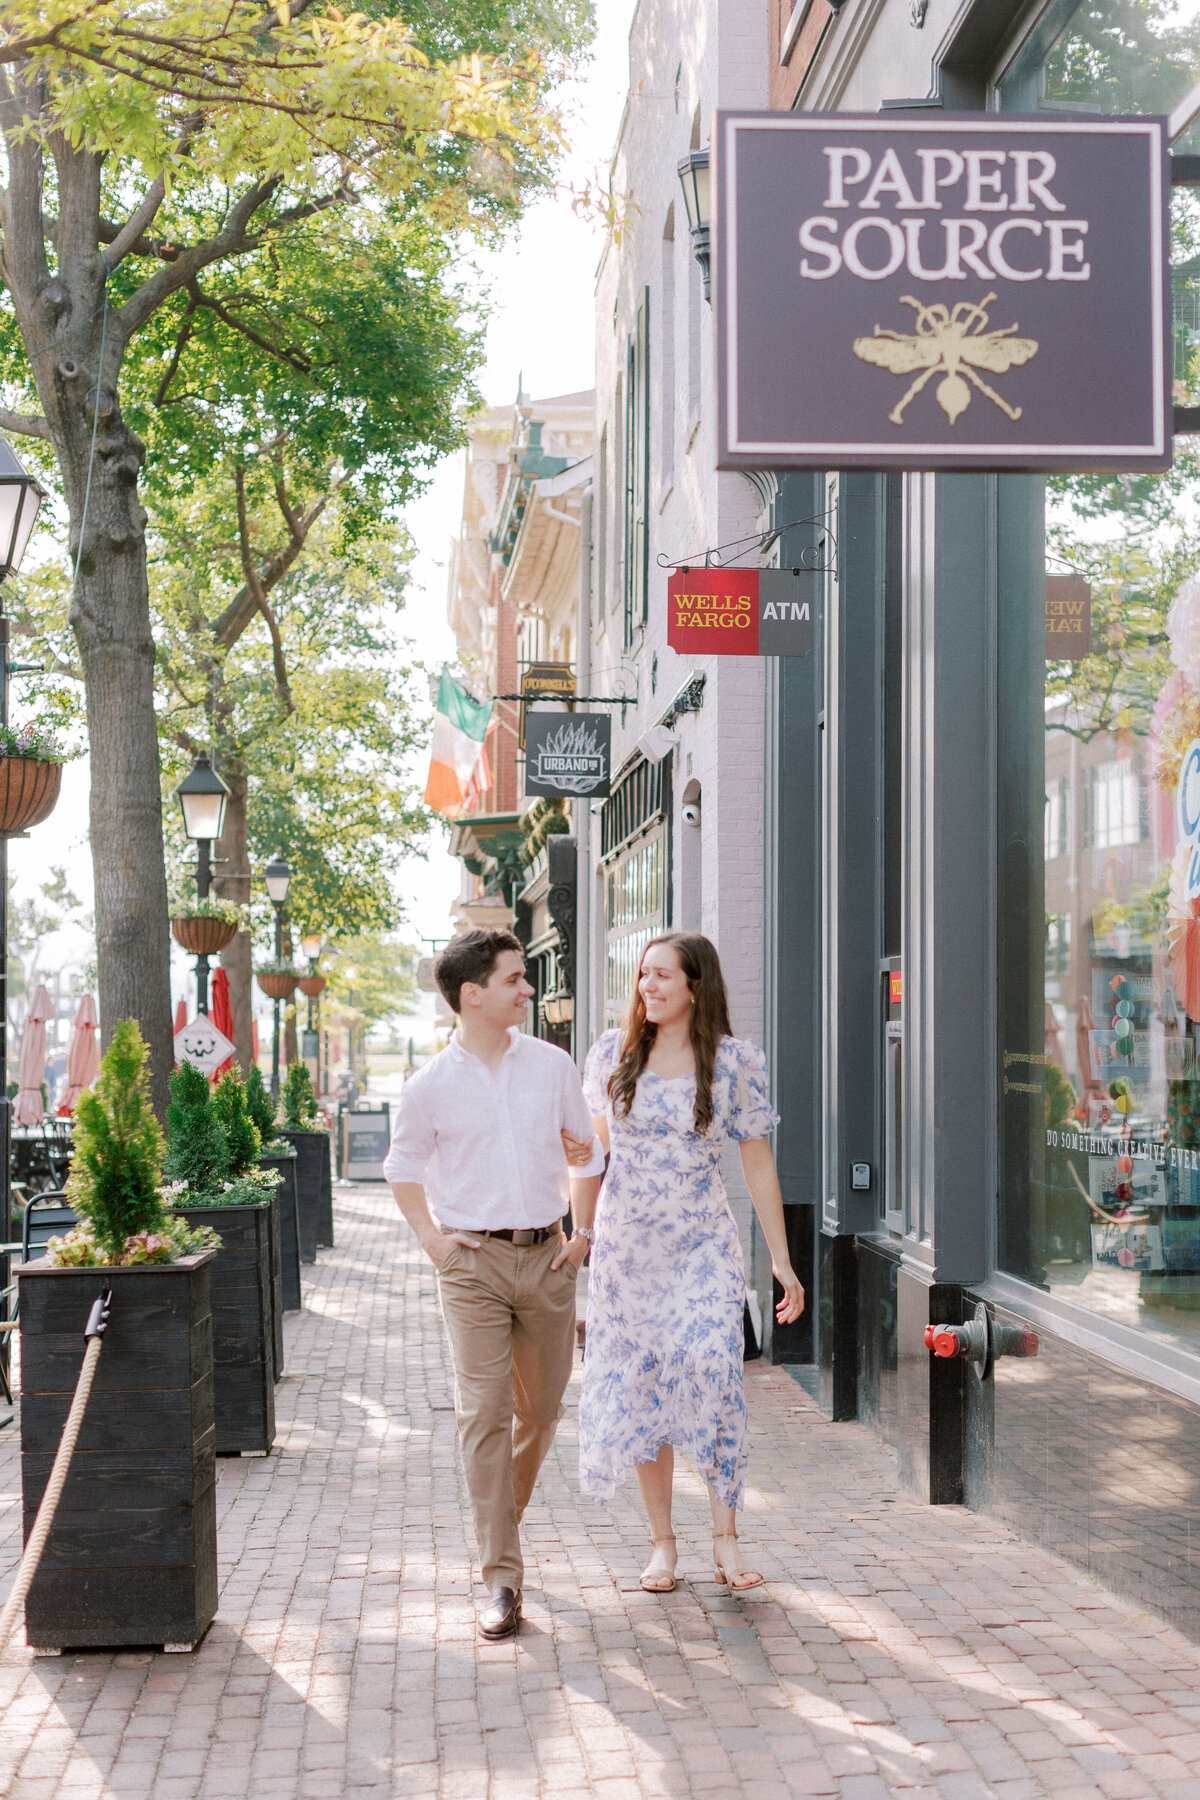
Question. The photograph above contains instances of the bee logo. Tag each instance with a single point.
(948, 343)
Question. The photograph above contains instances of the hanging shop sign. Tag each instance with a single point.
(202, 1044)
(966, 292)
(1068, 618)
(542, 682)
(741, 612)
(566, 758)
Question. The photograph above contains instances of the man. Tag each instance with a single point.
(478, 1165)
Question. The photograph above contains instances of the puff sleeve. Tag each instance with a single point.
(601, 1061)
(752, 1114)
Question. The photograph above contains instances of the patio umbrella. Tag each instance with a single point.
(83, 1060)
(221, 1014)
(1085, 1023)
(28, 1109)
(180, 1017)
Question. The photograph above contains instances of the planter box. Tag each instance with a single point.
(277, 984)
(314, 1189)
(132, 1556)
(243, 1335)
(275, 1245)
(289, 1224)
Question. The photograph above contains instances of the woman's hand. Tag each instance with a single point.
(578, 1150)
(792, 1305)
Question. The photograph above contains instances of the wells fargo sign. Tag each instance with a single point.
(973, 292)
(741, 612)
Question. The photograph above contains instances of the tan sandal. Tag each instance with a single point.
(737, 1580)
(658, 1577)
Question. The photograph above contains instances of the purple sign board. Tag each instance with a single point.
(969, 291)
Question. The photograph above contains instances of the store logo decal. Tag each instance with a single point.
(572, 759)
(1187, 807)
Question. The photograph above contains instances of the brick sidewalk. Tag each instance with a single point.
(896, 1649)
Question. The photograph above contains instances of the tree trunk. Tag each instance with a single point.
(291, 1048)
(233, 883)
(75, 351)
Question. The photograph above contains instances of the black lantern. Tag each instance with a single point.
(21, 495)
(202, 797)
(693, 178)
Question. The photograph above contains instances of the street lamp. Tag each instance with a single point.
(277, 875)
(693, 177)
(21, 496)
(202, 797)
(310, 1050)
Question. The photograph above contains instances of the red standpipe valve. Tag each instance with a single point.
(965, 1340)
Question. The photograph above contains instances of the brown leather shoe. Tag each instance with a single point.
(502, 1614)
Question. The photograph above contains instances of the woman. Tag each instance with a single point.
(665, 1303)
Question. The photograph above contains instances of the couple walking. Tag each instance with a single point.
(487, 1136)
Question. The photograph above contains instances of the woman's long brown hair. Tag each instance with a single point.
(709, 1024)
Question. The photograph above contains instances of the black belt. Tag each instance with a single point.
(538, 1235)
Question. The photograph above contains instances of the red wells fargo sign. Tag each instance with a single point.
(741, 612)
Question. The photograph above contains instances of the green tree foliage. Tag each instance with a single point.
(299, 1101)
(375, 977)
(260, 1106)
(198, 1149)
(116, 1168)
(242, 1137)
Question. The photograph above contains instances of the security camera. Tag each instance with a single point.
(657, 742)
(691, 812)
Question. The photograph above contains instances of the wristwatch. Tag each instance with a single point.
(586, 1232)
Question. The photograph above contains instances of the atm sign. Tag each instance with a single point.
(741, 612)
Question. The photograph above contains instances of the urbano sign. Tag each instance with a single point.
(969, 292)
(568, 755)
(741, 612)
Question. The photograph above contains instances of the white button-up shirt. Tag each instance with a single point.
(486, 1148)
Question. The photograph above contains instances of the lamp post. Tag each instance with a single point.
(310, 1048)
(202, 797)
(693, 178)
(350, 979)
(21, 495)
(278, 875)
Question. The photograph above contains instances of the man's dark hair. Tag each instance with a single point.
(471, 957)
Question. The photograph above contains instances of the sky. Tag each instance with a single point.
(540, 294)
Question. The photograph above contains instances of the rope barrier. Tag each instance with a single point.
(94, 1333)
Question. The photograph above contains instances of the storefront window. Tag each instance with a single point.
(1100, 934)
(635, 912)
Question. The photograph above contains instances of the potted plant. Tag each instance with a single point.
(312, 985)
(205, 927)
(31, 764)
(277, 1153)
(306, 1130)
(132, 1556)
(212, 1166)
(277, 979)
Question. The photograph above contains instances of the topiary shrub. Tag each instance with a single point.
(117, 1163)
(260, 1105)
(242, 1136)
(299, 1101)
(197, 1147)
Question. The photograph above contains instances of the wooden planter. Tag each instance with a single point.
(204, 937)
(289, 1225)
(28, 792)
(312, 985)
(314, 1190)
(132, 1556)
(277, 984)
(243, 1336)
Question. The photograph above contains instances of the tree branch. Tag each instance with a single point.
(24, 424)
(136, 223)
(145, 300)
(229, 626)
(282, 690)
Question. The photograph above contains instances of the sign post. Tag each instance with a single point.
(973, 291)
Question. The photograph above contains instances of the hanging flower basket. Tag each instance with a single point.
(29, 789)
(312, 985)
(203, 936)
(278, 984)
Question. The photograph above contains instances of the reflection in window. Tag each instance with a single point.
(1112, 812)
(1058, 943)
(1057, 801)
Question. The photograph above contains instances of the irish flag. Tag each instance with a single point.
(459, 728)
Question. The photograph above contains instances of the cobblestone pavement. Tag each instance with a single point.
(896, 1649)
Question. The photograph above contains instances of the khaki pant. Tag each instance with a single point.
(510, 1319)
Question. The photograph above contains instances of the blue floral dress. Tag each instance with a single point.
(665, 1300)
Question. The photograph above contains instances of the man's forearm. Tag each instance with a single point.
(410, 1197)
(585, 1192)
